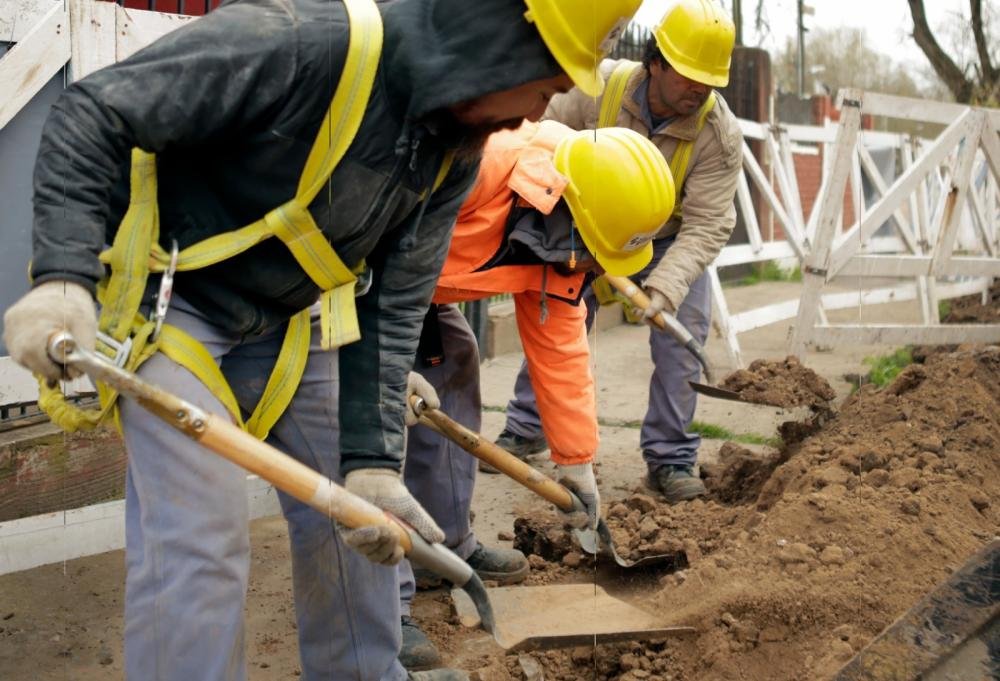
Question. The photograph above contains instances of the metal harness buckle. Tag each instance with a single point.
(165, 292)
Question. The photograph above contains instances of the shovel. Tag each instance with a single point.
(281, 470)
(552, 616)
(594, 542)
(669, 323)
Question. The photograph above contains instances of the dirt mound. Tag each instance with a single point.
(851, 528)
(971, 310)
(780, 383)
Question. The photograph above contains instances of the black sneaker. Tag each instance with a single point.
(676, 483)
(417, 652)
(519, 446)
(504, 566)
(439, 675)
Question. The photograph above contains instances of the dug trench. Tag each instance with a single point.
(796, 559)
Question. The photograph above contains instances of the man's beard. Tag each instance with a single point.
(468, 140)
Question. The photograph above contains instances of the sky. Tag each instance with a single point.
(887, 22)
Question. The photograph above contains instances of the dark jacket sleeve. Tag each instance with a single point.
(373, 371)
(209, 82)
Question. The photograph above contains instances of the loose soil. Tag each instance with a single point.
(971, 310)
(795, 561)
(780, 383)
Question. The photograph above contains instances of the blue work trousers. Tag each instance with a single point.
(187, 536)
(440, 474)
(664, 437)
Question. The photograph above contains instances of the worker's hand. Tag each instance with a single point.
(657, 303)
(47, 309)
(579, 478)
(385, 489)
(418, 385)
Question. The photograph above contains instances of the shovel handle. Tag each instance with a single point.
(496, 456)
(664, 322)
(285, 473)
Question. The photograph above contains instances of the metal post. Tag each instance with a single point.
(802, 51)
(738, 20)
(477, 313)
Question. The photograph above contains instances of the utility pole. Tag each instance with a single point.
(738, 20)
(801, 65)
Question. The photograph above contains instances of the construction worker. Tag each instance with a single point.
(236, 107)
(670, 99)
(550, 207)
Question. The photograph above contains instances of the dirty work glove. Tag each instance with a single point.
(580, 479)
(385, 489)
(44, 310)
(418, 385)
(657, 303)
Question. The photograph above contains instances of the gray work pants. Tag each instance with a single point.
(439, 473)
(664, 437)
(187, 538)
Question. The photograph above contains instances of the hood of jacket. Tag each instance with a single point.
(476, 47)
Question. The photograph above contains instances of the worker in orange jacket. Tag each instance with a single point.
(550, 206)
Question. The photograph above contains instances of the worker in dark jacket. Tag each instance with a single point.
(236, 107)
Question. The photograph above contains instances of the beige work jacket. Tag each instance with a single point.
(709, 213)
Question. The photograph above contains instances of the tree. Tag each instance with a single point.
(841, 57)
(975, 77)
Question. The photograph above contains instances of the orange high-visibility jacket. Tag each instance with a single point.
(517, 166)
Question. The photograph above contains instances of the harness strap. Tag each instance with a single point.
(136, 253)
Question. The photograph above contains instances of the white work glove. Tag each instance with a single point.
(580, 479)
(657, 303)
(385, 489)
(44, 310)
(418, 385)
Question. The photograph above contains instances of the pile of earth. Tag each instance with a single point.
(796, 561)
(780, 383)
(971, 310)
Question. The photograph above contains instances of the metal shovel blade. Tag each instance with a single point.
(608, 547)
(720, 393)
(561, 616)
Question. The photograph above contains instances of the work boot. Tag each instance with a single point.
(504, 566)
(676, 483)
(439, 675)
(417, 652)
(520, 446)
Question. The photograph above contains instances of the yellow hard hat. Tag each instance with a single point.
(696, 38)
(620, 192)
(580, 33)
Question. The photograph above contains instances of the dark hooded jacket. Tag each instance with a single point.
(231, 104)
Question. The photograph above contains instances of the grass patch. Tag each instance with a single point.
(944, 309)
(884, 368)
(768, 270)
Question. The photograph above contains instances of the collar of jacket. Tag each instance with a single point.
(534, 178)
(683, 127)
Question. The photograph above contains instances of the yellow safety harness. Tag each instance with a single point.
(136, 253)
(611, 104)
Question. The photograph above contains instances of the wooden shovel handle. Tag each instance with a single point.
(664, 322)
(499, 458)
(296, 479)
(635, 295)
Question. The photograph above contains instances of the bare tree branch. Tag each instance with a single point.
(982, 48)
(960, 86)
